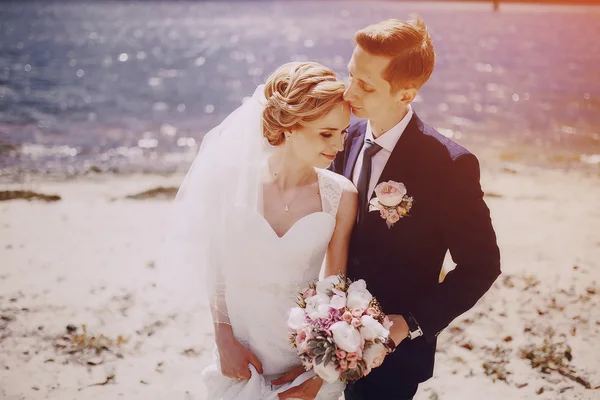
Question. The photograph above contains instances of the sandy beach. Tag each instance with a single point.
(78, 276)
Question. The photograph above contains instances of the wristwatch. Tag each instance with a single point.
(414, 330)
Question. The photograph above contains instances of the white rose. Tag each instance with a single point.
(346, 337)
(358, 286)
(359, 300)
(327, 284)
(328, 373)
(338, 301)
(371, 329)
(317, 306)
(297, 319)
(374, 355)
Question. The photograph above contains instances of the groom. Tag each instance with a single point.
(401, 264)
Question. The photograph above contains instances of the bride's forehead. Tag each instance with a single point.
(337, 119)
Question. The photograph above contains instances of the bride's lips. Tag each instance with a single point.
(328, 156)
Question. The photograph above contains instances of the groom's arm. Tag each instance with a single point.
(468, 232)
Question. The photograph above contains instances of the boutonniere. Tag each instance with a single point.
(391, 202)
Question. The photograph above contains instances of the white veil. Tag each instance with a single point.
(225, 175)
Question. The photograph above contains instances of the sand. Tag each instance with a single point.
(90, 257)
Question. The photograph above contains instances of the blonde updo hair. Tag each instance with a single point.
(298, 92)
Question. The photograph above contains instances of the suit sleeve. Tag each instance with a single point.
(468, 232)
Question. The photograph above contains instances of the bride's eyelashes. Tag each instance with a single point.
(329, 135)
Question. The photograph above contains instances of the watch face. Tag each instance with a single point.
(416, 333)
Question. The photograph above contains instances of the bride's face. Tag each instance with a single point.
(317, 142)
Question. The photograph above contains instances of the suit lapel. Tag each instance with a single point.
(357, 144)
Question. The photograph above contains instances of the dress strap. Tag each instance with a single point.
(331, 187)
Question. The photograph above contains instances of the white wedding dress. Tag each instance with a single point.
(263, 274)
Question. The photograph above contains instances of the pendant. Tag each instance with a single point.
(286, 209)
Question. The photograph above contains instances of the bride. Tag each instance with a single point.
(259, 214)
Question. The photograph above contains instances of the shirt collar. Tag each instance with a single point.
(389, 139)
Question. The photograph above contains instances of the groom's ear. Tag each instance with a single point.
(407, 95)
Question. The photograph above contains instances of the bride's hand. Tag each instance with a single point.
(235, 357)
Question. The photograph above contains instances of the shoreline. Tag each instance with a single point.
(492, 154)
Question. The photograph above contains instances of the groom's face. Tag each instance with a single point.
(368, 93)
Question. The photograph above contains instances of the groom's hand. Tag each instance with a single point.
(399, 330)
(289, 376)
(308, 390)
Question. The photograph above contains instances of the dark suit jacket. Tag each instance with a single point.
(402, 265)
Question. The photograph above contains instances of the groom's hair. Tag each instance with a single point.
(407, 44)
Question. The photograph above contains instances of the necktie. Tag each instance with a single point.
(371, 148)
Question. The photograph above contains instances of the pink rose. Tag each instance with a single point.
(372, 312)
(343, 364)
(353, 364)
(384, 213)
(347, 316)
(357, 312)
(390, 193)
(351, 357)
(302, 339)
(355, 322)
(394, 218)
(340, 354)
(359, 353)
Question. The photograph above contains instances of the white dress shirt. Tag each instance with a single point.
(387, 141)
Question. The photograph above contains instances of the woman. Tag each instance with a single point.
(261, 212)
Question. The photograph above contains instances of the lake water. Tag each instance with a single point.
(133, 86)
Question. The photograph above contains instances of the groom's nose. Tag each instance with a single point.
(349, 93)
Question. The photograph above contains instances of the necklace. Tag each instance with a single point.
(287, 206)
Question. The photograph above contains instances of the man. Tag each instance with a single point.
(401, 263)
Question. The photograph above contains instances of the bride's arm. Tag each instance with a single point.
(337, 252)
(234, 356)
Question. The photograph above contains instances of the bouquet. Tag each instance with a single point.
(339, 329)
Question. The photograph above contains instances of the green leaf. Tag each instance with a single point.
(313, 344)
(319, 351)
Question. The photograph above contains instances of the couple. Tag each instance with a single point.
(284, 184)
